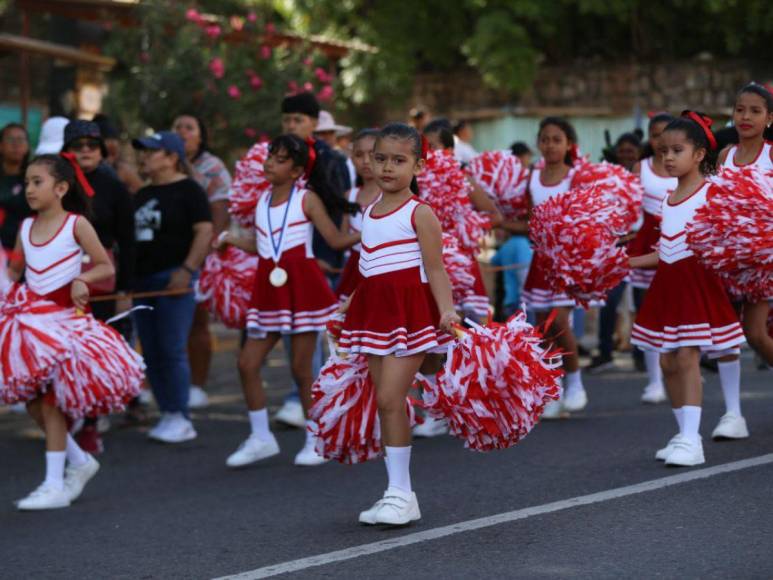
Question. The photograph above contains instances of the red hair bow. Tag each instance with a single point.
(705, 124)
(424, 148)
(79, 175)
(312, 158)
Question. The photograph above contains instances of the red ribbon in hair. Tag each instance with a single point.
(312, 158)
(79, 175)
(705, 124)
(424, 148)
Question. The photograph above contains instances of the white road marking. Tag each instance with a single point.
(487, 522)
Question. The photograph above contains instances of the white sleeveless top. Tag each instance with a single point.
(541, 193)
(762, 161)
(299, 229)
(54, 264)
(673, 236)
(656, 188)
(355, 221)
(389, 242)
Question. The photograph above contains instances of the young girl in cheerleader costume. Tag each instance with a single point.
(403, 274)
(557, 142)
(50, 248)
(686, 310)
(657, 185)
(363, 195)
(291, 295)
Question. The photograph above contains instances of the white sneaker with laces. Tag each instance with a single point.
(368, 516)
(575, 400)
(291, 413)
(731, 426)
(160, 426)
(76, 478)
(552, 410)
(308, 456)
(177, 430)
(431, 427)
(686, 453)
(197, 398)
(663, 453)
(45, 497)
(653, 394)
(253, 449)
(398, 508)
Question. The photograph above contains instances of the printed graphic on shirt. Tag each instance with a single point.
(147, 221)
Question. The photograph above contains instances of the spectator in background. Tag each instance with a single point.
(211, 174)
(463, 150)
(173, 232)
(514, 257)
(522, 151)
(628, 150)
(439, 134)
(329, 131)
(125, 169)
(419, 117)
(14, 155)
(51, 135)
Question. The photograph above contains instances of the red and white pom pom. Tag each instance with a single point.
(458, 265)
(33, 342)
(732, 233)
(345, 412)
(226, 283)
(495, 384)
(5, 280)
(504, 178)
(101, 372)
(622, 187)
(576, 234)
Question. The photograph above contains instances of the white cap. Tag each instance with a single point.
(52, 136)
(326, 122)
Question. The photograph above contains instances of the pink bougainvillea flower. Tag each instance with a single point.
(264, 138)
(265, 52)
(292, 86)
(322, 75)
(252, 17)
(217, 68)
(326, 93)
(270, 28)
(192, 15)
(234, 92)
(256, 82)
(213, 30)
(308, 87)
(308, 61)
(250, 132)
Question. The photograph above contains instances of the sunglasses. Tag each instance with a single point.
(88, 144)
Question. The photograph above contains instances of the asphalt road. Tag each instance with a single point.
(159, 511)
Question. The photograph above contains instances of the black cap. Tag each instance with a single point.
(83, 130)
(303, 103)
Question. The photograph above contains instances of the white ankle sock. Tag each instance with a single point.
(652, 363)
(259, 424)
(55, 468)
(730, 379)
(75, 455)
(573, 382)
(398, 463)
(679, 414)
(692, 422)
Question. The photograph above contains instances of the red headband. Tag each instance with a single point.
(424, 147)
(312, 158)
(705, 124)
(79, 175)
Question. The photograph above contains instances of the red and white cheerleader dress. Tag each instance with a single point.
(305, 302)
(686, 304)
(656, 189)
(393, 311)
(350, 277)
(537, 293)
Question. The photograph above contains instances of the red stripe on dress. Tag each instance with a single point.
(55, 264)
(389, 244)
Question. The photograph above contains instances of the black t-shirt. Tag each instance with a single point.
(13, 208)
(112, 214)
(164, 216)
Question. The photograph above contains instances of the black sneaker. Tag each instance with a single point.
(599, 364)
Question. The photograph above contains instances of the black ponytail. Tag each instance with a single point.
(75, 200)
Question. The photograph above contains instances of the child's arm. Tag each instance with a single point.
(103, 267)
(248, 244)
(431, 243)
(645, 261)
(316, 212)
(482, 202)
(16, 260)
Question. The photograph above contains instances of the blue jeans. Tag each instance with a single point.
(163, 333)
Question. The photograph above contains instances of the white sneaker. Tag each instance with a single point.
(431, 427)
(18, 408)
(103, 424)
(197, 398)
(291, 413)
(368, 516)
(398, 508)
(653, 394)
(308, 456)
(253, 449)
(45, 497)
(76, 478)
(160, 426)
(575, 400)
(686, 453)
(663, 453)
(731, 426)
(145, 397)
(552, 411)
(176, 430)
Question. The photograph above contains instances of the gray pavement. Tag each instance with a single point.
(159, 511)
